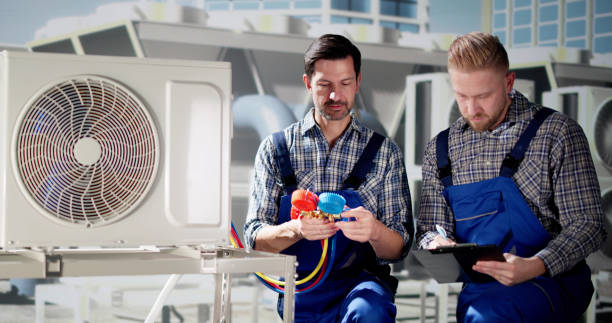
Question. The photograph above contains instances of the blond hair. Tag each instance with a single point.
(476, 51)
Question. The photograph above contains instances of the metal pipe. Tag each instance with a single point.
(264, 113)
(163, 295)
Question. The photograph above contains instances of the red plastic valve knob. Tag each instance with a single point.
(304, 200)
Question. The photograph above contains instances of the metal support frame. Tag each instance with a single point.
(219, 261)
(250, 58)
(226, 261)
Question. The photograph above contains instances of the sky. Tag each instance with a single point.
(19, 19)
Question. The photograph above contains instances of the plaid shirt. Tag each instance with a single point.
(318, 168)
(557, 180)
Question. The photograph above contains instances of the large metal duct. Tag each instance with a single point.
(264, 113)
(256, 117)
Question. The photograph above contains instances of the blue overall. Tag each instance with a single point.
(356, 289)
(494, 212)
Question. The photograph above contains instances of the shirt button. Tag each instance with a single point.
(488, 163)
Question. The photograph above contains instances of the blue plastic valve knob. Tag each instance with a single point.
(331, 203)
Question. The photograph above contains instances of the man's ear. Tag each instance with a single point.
(358, 82)
(510, 81)
(307, 82)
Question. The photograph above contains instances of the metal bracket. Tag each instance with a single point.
(53, 265)
(186, 251)
(208, 260)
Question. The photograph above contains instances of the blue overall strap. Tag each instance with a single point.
(284, 162)
(445, 173)
(512, 161)
(364, 164)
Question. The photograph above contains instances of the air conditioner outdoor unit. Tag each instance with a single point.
(431, 108)
(602, 259)
(592, 108)
(113, 152)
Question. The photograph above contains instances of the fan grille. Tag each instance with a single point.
(86, 151)
(603, 133)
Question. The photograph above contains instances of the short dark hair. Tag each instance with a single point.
(332, 47)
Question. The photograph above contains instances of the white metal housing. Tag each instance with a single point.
(605, 184)
(186, 108)
(429, 98)
(592, 107)
(415, 183)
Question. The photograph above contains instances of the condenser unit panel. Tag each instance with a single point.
(591, 107)
(114, 152)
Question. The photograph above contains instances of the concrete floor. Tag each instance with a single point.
(59, 314)
(408, 309)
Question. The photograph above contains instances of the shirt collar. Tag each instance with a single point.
(310, 124)
(520, 109)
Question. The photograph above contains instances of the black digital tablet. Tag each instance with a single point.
(454, 263)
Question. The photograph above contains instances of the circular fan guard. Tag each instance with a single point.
(86, 151)
(603, 133)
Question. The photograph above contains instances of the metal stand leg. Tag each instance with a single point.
(221, 312)
(255, 303)
(82, 298)
(227, 283)
(218, 297)
(443, 305)
(289, 299)
(422, 301)
(590, 311)
(166, 314)
(163, 295)
(40, 307)
(203, 313)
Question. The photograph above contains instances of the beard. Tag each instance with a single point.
(481, 125)
(487, 122)
(334, 115)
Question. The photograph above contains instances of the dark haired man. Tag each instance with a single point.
(322, 153)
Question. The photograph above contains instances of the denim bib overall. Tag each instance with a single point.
(323, 302)
(494, 212)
